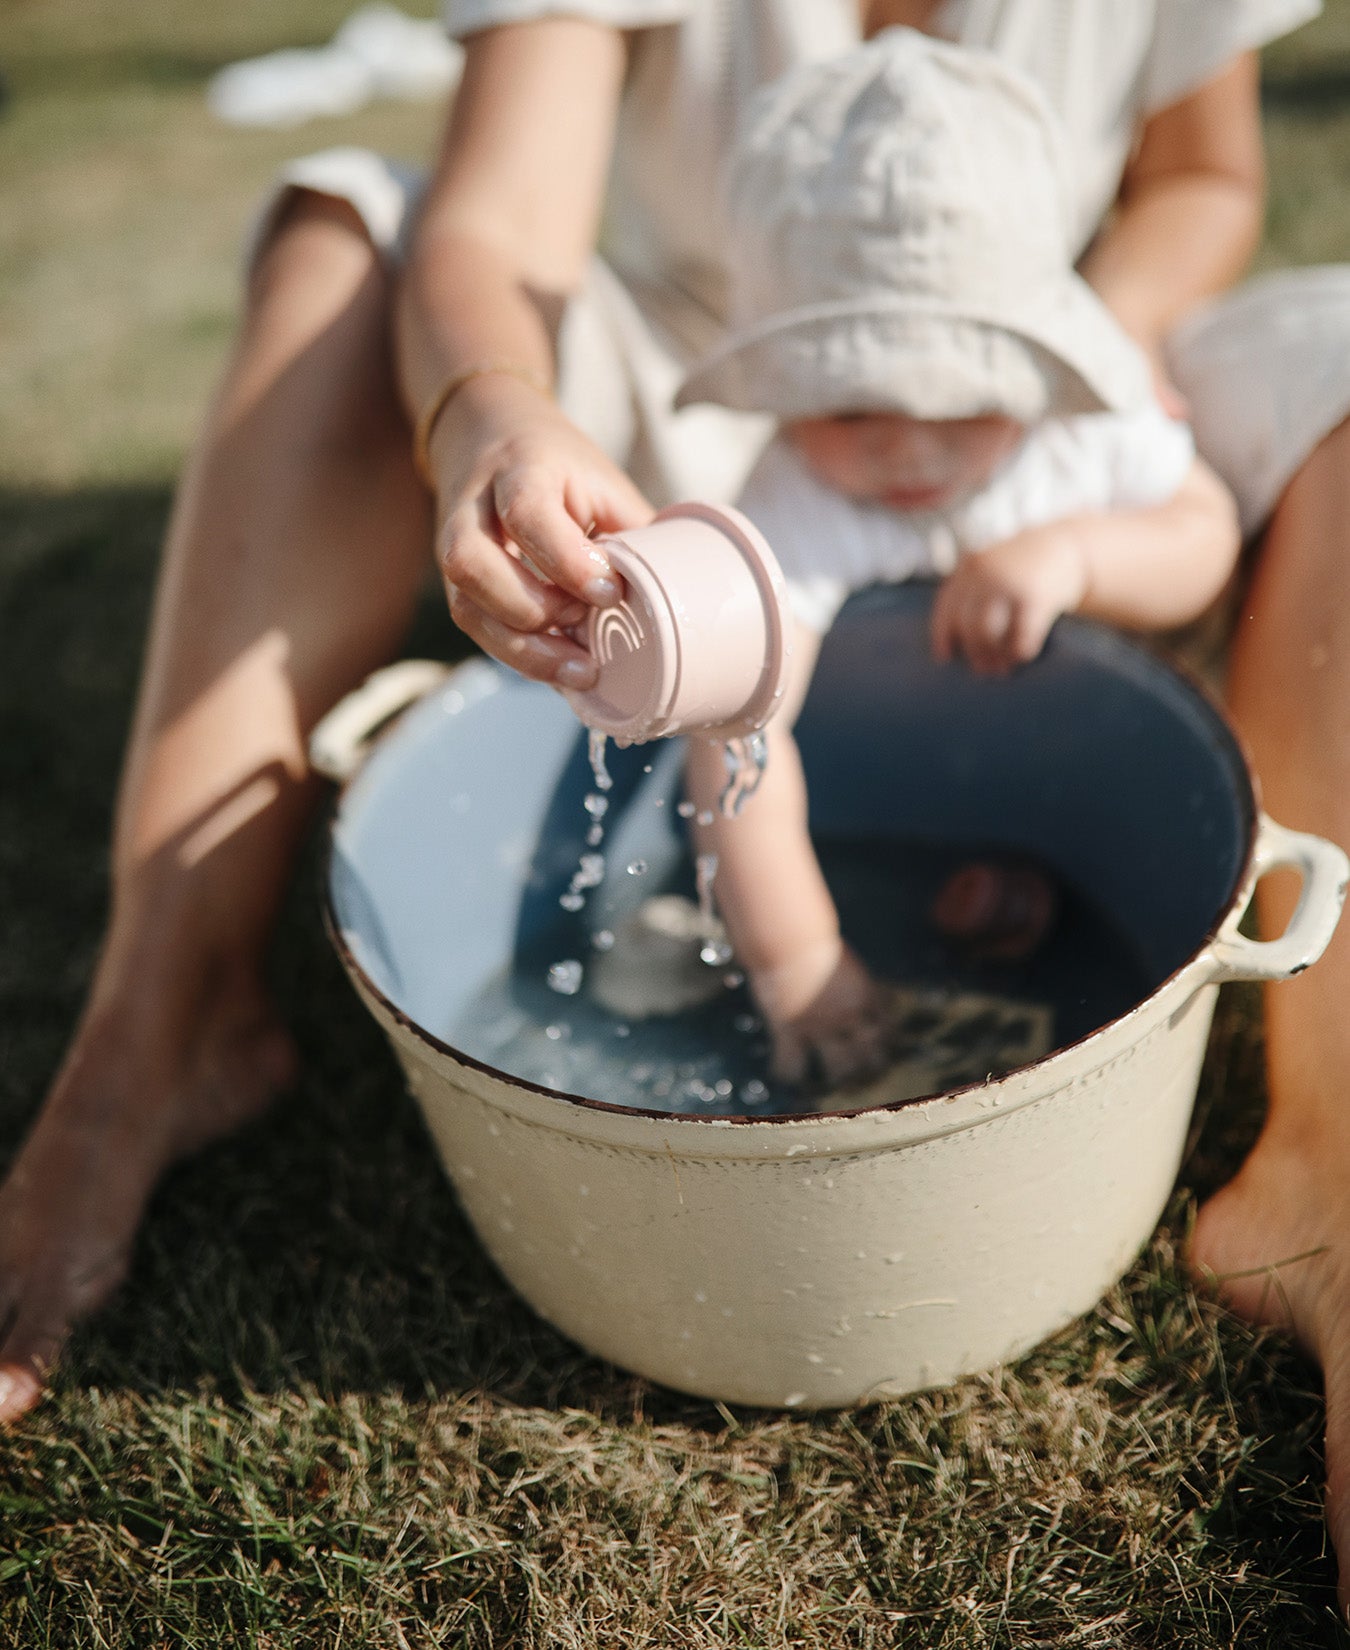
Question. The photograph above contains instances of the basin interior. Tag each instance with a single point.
(453, 846)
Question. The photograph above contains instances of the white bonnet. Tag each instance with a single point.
(899, 218)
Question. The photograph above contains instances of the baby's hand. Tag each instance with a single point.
(826, 1016)
(999, 604)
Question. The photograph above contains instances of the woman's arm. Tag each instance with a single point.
(1190, 209)
(508, 224)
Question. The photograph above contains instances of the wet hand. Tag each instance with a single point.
(826, 1016)
(997, 608)
(520, 492)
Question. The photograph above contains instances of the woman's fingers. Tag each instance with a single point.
(532, 515)
(541, 655)
(515, 549)
(475, 563)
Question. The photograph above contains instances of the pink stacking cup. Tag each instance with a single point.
(699, 642)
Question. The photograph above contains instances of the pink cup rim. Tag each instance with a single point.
(754, 549)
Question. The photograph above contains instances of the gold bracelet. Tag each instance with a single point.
(426, 424)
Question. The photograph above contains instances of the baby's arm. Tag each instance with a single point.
(1142, 569)
(822, 1009)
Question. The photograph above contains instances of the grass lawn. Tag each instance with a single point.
(315, 1415)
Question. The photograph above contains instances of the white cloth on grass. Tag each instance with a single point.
(378, 52)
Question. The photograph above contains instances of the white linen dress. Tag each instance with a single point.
(1266, 369)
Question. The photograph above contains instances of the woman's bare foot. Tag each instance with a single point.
(1276, 1243)
(116, 1117)
(999, 910)
(826, 1016)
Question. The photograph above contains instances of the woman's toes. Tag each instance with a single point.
(20, 1390)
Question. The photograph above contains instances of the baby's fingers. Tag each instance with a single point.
(982, 622)
(942, 632)
(1028, 634)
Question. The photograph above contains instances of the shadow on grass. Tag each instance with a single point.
(323, 1245)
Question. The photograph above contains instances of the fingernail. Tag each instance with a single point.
(7, 1385)
(602, 591)
(575, 673)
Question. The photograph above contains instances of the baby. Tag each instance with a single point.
(953, 400)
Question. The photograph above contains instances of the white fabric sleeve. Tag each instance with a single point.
(1072, 466)
(1193, 40)
(1150, 455)
(464, 17)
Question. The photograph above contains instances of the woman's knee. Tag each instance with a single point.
(314, 258)
(1314, 507)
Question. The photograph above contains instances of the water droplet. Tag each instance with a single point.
(571, 901)
(706, 817)
(590, 871)
(746, 1023)
(734, 980)
(565, 977)
(755, 1093)
(622, 1031)
(646, 767)
(637, 867)
(596, 806)
(595, 745)
(715, 953)
(553, 1033)
(686, 810)
(723, 1087)
(595, 836)
(602, 939)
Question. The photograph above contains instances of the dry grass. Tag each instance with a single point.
(315, 1415)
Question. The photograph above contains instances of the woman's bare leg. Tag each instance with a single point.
(1284, 1221)
(296, 548)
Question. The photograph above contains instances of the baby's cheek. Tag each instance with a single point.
(832, 452)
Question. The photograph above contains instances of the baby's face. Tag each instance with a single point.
(906, 463)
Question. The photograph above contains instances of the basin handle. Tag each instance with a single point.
(1324, 869)
(341, 739)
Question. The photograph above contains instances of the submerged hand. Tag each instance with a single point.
(826, 1016)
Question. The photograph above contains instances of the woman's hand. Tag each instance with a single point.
(519, 492)
(998, 606)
